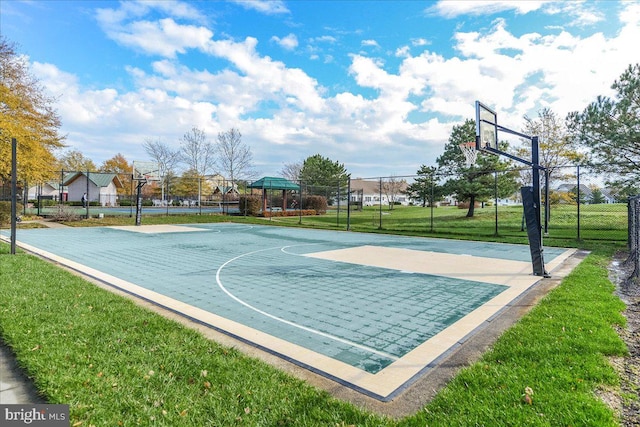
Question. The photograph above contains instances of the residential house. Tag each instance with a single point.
(47, 190)
(586, 192)
(222, 188)
(100, 187)
(370, 193)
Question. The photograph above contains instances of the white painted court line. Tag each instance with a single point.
(285, 321)
(391, 378)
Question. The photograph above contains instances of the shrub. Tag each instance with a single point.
(305, 212)
(250, 204)
(316, 203)
(5, 212)
(65, 213)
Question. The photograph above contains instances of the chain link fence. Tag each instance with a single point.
(577, 207)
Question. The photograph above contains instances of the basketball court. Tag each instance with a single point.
(372, 313)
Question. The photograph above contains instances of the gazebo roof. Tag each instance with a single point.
(274, 183)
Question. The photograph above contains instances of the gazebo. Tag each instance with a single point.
(274, 183)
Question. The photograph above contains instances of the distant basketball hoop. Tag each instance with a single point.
(143, 173)
(470, 152)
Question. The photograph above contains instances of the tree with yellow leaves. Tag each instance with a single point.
(119, 164)
(27, 115)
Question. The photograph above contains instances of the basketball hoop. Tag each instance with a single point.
(470, 152)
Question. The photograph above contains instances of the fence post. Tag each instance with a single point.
(338, 207)
(380, 200)
(300, 204)
(634, 235)
(200, 195)
(547, 206)
(432, 201)
(14, 192)
(578, 196)
(495, 192)
(88, 195)
(348, 202)
(61, 199)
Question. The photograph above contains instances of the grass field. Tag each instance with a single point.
(598, 223)
(116, 363)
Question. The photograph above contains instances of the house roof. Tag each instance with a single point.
(225, 190)
(98, 178)
(274, 183)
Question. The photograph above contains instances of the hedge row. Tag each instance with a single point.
(305, 212)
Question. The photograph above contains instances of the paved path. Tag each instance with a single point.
(15, 386)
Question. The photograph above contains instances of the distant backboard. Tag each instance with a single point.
(486, 127)
(146, 171)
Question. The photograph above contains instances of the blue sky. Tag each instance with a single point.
(375, 85)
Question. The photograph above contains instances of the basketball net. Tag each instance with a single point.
(470, 152)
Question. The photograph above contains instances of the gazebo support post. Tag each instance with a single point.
(264, 200)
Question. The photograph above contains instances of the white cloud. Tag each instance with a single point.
(582, 13)
(420, 42)
(402, 52)
(452, 9)
(268, 7)
(324, 39)
(289, 42)
(163, 37)
(516, 74)
(370, 43)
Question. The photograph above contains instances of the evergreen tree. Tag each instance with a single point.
(475, 183)
(610, 127)
(425, 188)
(323, 177)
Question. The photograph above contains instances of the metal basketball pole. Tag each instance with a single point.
(532, 211)
(14, 192)
(141, 184)
(530, 198)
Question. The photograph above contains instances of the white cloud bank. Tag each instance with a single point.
(285, 115)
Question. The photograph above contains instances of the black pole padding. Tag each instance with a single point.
(534, 231)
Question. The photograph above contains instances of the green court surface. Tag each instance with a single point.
(371, 312)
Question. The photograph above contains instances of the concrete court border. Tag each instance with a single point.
(414, 393)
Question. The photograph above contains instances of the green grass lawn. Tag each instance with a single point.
(116, 363)
(598, 223)
(595, 224)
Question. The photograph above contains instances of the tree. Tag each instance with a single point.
(556, 149)
(323, 176)
(291, 171)
(197, 152)
(425, 188)
(597, 196)
(75, 161)
(191, 185)
(27, 115)
(391, 187)
(118, 164)
(610, 127)
(234, 157)
(475, 183)
(166, 158)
